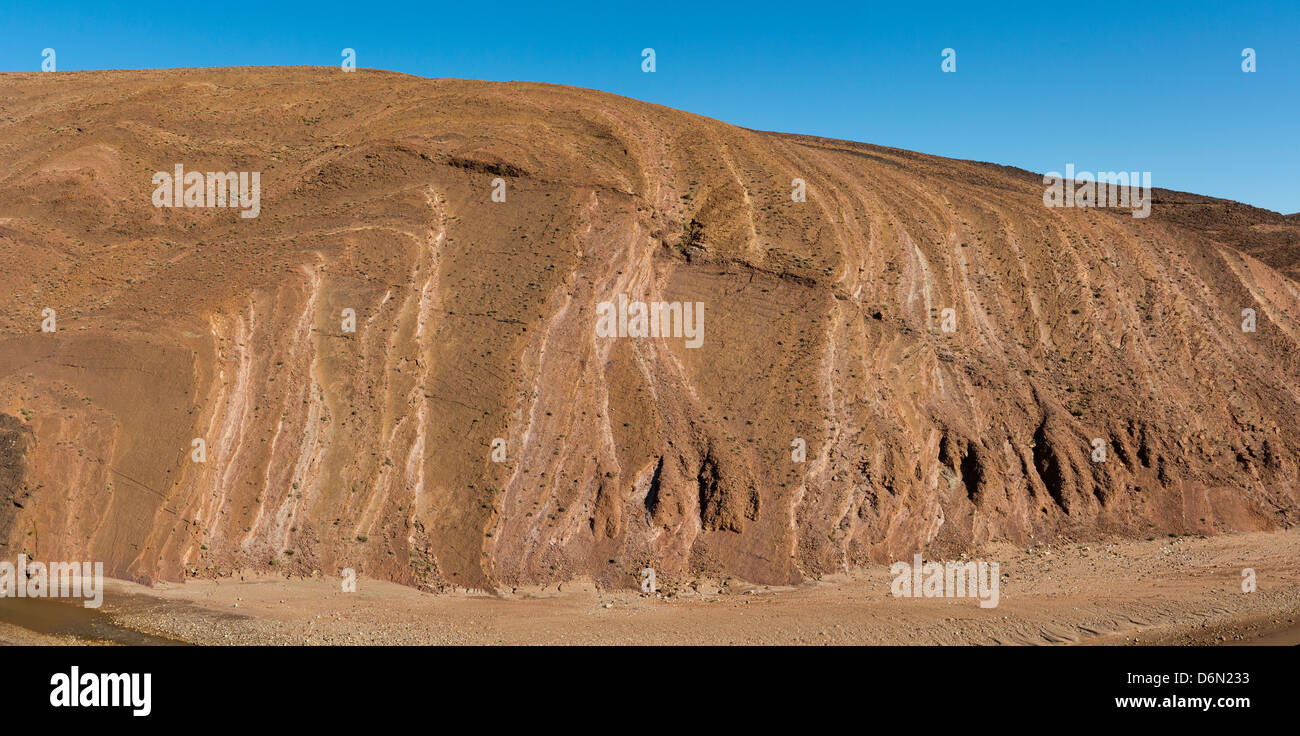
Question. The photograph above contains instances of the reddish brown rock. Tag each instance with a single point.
(475, 320)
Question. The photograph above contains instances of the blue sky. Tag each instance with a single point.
(1104, 85)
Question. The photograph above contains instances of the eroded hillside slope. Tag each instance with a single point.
(475, 320)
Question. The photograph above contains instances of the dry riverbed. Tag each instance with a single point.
(1185, 590)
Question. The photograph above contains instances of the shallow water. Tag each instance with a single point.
(1283, 638)
(60, 618)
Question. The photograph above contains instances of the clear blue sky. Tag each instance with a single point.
(1103, 85)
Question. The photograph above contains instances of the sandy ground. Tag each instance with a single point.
(1167, 591)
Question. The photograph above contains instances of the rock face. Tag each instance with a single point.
(475, 320)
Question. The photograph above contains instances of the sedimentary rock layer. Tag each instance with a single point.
(325, 448)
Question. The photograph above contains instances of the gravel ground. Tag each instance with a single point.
(1184, 590)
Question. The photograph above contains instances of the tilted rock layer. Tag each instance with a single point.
(372, 449)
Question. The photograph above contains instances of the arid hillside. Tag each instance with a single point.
(196, 403)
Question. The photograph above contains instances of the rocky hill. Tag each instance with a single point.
(201, 404)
